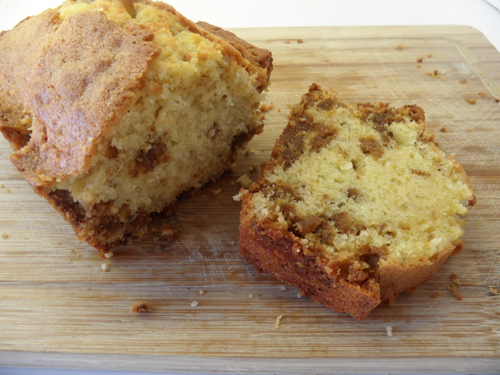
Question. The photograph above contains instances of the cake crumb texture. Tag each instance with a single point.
(114, 108)
(356, 205)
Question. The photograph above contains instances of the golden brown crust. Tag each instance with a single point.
(259, 58)
(86, 76)
(33, 32)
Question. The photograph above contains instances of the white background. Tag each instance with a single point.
(481, 14)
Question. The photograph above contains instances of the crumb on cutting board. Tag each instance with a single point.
(455, 283)
(245, 181)
(266, 107)
(277, 322)
(169, 231)
(141, 307)
(435, 74)
(389, 331)
(250, 151)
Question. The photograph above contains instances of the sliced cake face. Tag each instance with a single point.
(123, 105)
(365, 190)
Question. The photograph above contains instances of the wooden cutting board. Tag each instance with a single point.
(59, 309)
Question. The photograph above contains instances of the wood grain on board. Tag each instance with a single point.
(59, 309)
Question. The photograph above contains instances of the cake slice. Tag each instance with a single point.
(114, 108)
(356, 205)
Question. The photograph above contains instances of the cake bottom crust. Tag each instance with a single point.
(274, 250)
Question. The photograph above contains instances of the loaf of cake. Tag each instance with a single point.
(357, 204)
(114, 108)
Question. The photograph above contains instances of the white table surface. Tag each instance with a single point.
(481, 14)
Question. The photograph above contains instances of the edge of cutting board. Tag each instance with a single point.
(153, 363)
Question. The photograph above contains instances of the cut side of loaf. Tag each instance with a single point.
(114, 108)
(357, 204)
